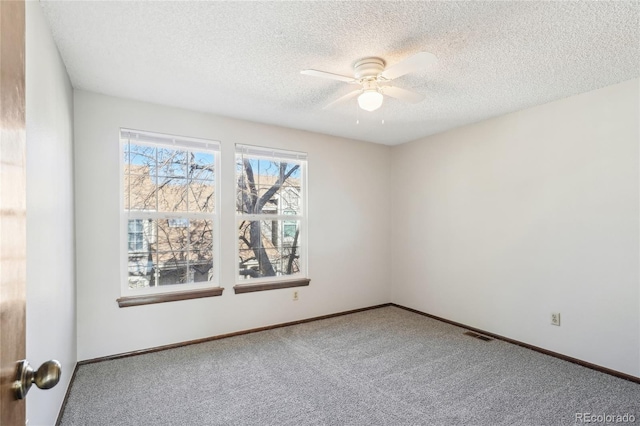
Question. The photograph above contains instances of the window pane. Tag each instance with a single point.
(142, 255)
(201, 235)
(185, 251)
(172, 253)
(140, 185)
(245, 189)
(246, 200)
(139, 159)
(142, 195)
(268, 248)
(268, 187)
(289, 200)
(248, 264)
(201, 265)
(201, 196)
(267, 171)
(126, 192)
(201, 166)
(201, 250)
(269, 203)
(172, 267)
(288, 247)
(172, 194)
(141, 271)
(249, 234)
(172, 238)
(172, 163)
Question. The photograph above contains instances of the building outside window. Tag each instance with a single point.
(169, 214)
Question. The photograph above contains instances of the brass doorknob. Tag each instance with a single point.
(45, 377)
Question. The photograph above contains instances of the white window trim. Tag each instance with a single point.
(155, 140)
(303, 240)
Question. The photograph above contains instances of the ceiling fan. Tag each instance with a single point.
(375, 81)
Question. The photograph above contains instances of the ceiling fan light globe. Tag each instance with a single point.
(370, 100)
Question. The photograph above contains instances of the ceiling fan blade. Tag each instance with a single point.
(343, 99)
(413, 63)
(329, 75)
(403, 94)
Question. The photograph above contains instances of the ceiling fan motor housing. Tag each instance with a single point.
(368, 68)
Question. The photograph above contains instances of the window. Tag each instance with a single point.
(170, 198)
(271, 218)
(136, 235)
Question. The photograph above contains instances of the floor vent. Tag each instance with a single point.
(478, 336)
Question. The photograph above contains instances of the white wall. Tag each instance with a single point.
(349, 257)
(51, 304)
(498, 224)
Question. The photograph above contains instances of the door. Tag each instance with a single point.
(12, 206)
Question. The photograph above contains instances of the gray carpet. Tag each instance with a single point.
(385, 366)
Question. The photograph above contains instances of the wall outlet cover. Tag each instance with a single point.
(555, 318)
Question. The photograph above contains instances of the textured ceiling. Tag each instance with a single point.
(243, 59)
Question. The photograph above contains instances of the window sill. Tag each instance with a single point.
(249, 288)
(148, 299)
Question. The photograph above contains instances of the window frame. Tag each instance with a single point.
(170, 292)
(301, 278)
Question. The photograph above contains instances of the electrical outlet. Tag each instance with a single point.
(555, 318)
(295, 296)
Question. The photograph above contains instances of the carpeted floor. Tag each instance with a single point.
(385, 366)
